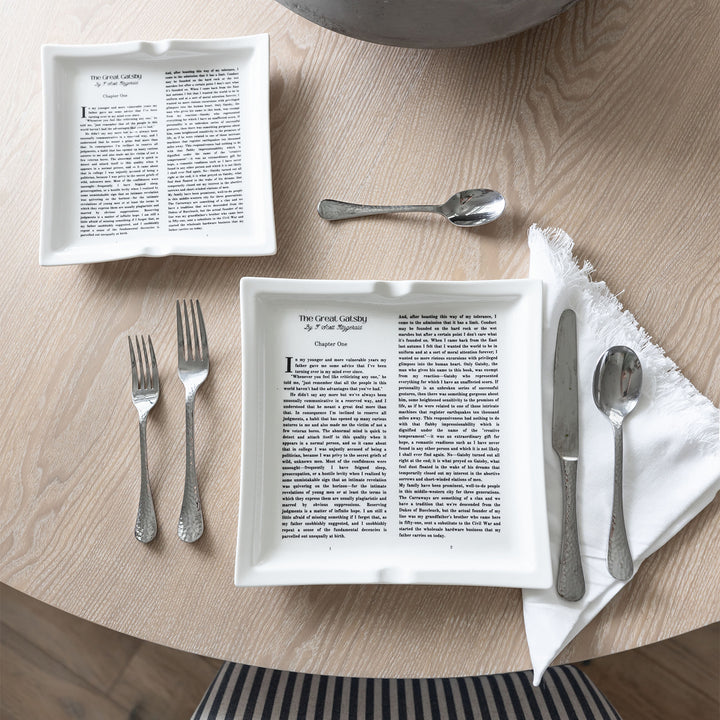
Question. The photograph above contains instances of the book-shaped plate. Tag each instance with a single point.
(391, 433)
(156, 148)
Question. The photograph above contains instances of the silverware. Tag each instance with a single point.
(467, 208)
(570, 579)
(145, 393)
(616, 388)
(193, 364)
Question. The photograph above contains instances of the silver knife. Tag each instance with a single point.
(570, 580)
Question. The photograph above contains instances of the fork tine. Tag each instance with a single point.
(146, 367)
(155, 378)
(141, 367)
(196, 340)
(181, 340)
(133, 364)
(188, 336)
(203, 335)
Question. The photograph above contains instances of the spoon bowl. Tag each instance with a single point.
(470, 208)
(617, 382)
(467, 208)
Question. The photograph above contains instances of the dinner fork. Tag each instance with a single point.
(145, 393)
(193, 364)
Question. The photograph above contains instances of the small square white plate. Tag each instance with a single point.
(392, 433)
(156, 148)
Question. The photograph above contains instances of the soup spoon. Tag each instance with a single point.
(468, 208)
(616, 389)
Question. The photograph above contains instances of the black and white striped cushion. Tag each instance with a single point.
(244, 692)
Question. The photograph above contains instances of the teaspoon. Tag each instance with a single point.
(468, 208)
(616, 389)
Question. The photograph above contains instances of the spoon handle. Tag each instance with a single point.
(620, 562)
(570, 578)
(337, 210)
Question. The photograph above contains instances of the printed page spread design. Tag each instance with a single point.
(156, 148)
(391, 433)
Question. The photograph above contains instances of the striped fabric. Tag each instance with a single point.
(243, 692)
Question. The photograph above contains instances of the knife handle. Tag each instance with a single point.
(570, 579)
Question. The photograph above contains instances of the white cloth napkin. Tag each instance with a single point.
(672, 446)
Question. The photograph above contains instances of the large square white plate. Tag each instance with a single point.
(156, 148)
(392, 433)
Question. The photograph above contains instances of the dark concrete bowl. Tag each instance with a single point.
(428, 23)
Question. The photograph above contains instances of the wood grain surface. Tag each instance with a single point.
(56, 665)
(604, 122)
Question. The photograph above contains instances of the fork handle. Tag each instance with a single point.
(146, 522)
(190, 524)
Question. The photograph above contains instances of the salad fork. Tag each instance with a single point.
(193, 364)
(145, 393)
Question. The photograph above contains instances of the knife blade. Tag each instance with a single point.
(565, 442)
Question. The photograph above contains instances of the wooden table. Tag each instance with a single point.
(604, 122)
